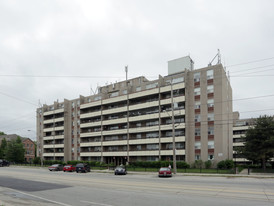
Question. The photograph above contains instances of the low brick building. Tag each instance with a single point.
(28, 144)
(29, 149)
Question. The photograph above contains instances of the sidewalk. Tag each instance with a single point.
(244, 173)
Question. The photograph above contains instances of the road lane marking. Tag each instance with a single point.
(42, 198)
(96, 203)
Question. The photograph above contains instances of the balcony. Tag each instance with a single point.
(46, 146)
(54, 112)
(53, 137)
(61, 154)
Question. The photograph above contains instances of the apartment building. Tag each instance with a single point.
(142, 120)
(240, 126)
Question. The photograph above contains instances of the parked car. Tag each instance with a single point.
(82, 167)
(56, 167)
(120, 170)
(69, 168)
(4, 163)
(165, 172)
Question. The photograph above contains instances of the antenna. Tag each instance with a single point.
(94, 92)
(219, 58)
(39, 103)
(126, 70)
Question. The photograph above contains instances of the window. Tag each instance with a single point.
(152, 123)
(98, 149)
(197, 157)
(209, 74)
(138, 89)
(152, 158)
(210, 117)
(139, 147)
(197, 131)
(179, 133)
(210, 130)
(88, 99)
(210, 144)
(138, 136)
(197, 91)
(211, 157)
(169, 146)
(114, 94)
(197, 77)
(210, 103)
(179, 120)
(197, 145)
(197, 118)
(197, 105)
(178, 80)
(152, 146)
(125, 91)
(152, 135)
(97, 98)
(210, 89)
(168, 134)
(151, 86)
(179, 145)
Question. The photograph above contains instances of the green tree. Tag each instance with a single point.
(3, 149)
(2, 133)
(15, 151)
(259, 141)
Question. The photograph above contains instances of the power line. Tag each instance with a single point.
(260, 60)
(22, 100)
(58, 76)
(252, 68)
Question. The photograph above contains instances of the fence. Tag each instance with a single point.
(149, 169)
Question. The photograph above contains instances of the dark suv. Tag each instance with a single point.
(4, 163)
(82, 167)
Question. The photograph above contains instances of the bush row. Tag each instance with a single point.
(158, 164)
(225, 164)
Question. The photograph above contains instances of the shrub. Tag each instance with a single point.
(182, 165)
(36, 160)
(225, 164)
(208, 164)
(198, 164)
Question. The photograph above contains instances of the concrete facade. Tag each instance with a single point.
(133, 120)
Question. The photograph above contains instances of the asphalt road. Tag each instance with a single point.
(38, 186)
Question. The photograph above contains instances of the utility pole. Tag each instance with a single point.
(126, 70)
(173, 131)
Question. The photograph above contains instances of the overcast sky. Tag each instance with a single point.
(44, 42)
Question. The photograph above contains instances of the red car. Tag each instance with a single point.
(165, 172)
(69, 168)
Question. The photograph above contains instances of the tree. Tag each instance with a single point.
(15, 151)
(2, 133)
(259, 141)
(3, 149)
